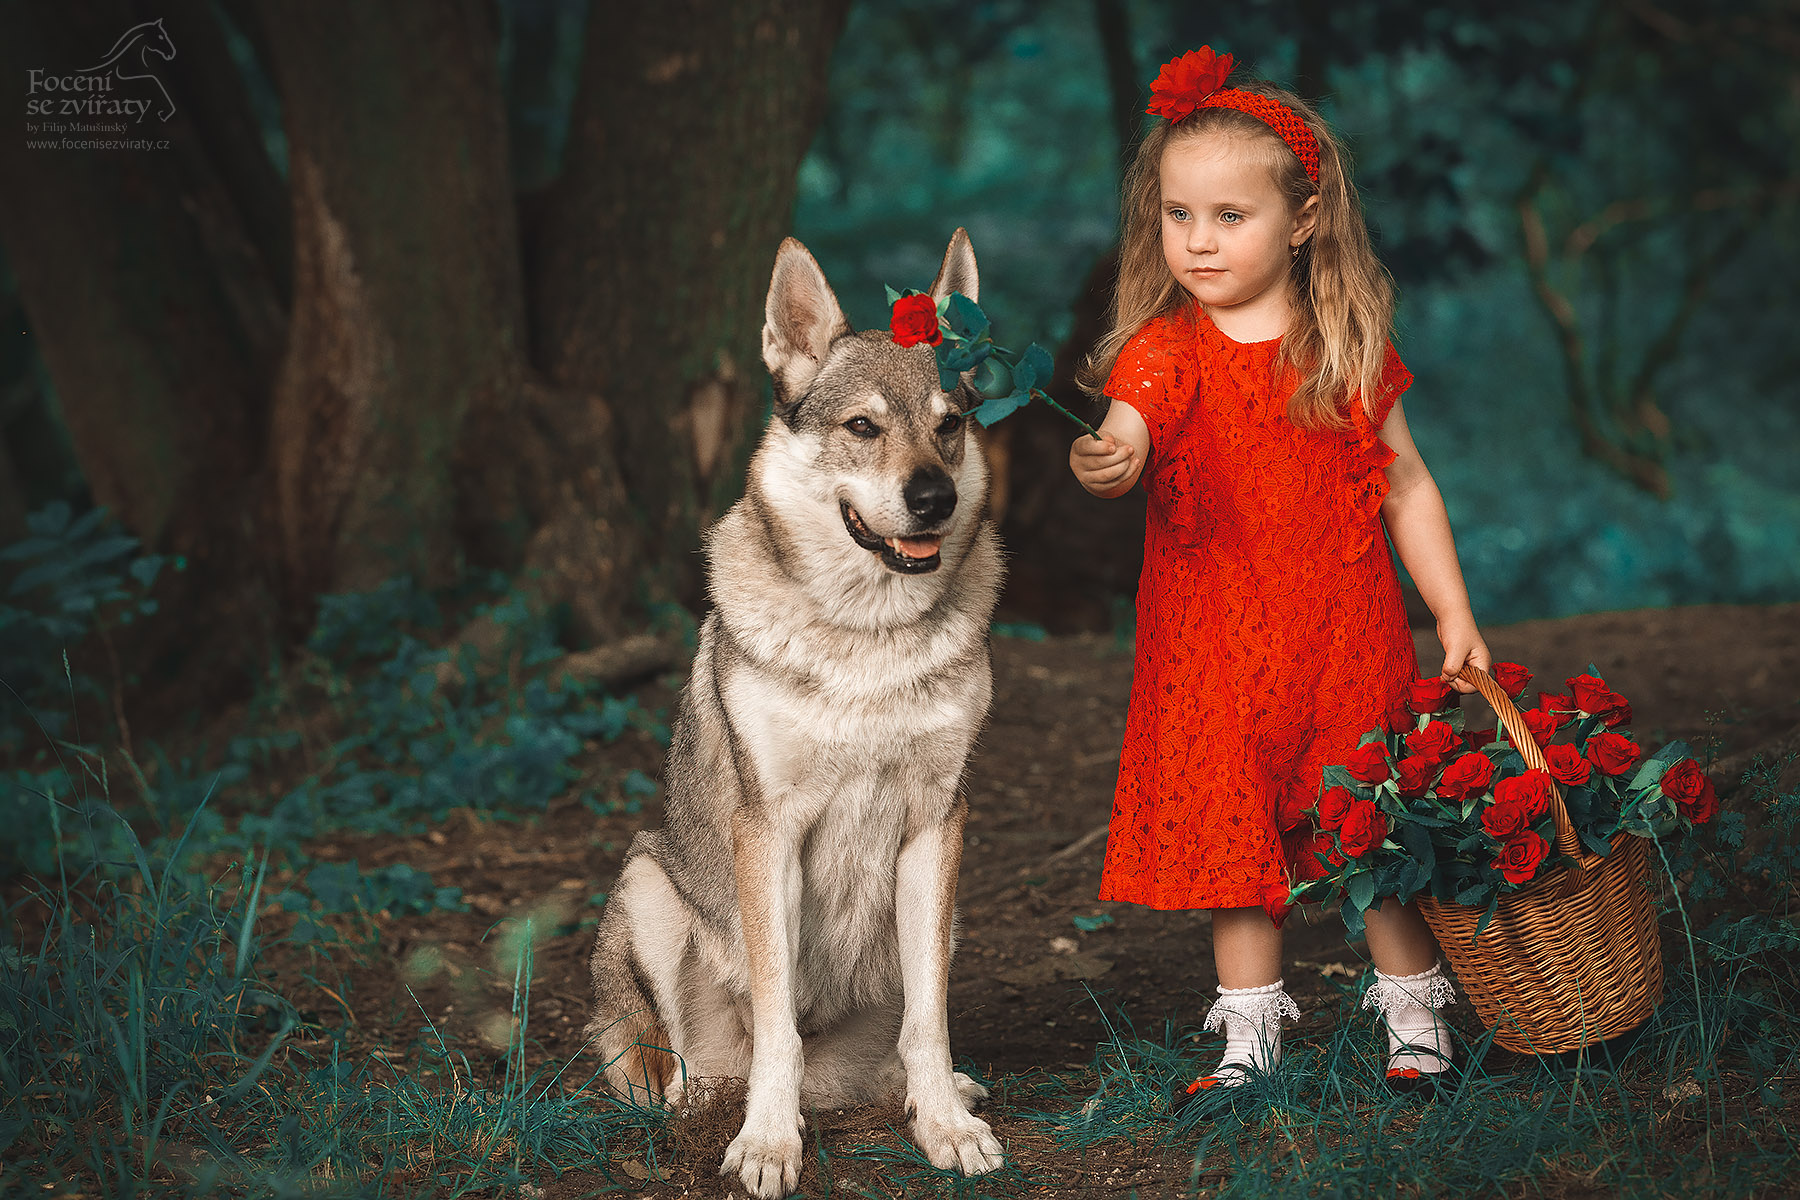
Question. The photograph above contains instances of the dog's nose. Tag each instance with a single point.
(930, 495)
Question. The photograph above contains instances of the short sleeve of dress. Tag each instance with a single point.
(1370, 456)
(1395, 379)
(1154, 377)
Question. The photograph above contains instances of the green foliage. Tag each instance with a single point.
(70, 576)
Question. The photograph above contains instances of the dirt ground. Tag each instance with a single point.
(1040, 789)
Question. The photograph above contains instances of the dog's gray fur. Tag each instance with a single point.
(791, 922)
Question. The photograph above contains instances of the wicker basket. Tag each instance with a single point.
(1569, 960)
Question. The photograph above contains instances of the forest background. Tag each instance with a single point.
(356, 441)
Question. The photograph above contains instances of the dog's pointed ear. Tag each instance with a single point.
(800, 321)
(958, 272)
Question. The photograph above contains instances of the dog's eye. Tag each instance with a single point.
(862, 427)
(951, 423)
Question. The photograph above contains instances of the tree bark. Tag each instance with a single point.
(654, 248)
(407, 310)
(156, 374)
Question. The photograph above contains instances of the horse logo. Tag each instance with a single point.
(138, 43)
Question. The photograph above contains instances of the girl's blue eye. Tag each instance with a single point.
(1178, 214)
(1230, 218)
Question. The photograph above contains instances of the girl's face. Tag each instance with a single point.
(1228, 232)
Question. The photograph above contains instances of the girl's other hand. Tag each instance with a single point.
(1107, 467)
(1462, 645)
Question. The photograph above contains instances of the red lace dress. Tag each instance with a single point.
(1270, 630)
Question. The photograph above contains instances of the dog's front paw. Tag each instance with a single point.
(956, 1141)
(765, 1160)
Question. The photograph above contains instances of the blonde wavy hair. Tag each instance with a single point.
(1343, 296)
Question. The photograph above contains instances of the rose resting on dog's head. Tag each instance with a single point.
(864, 424)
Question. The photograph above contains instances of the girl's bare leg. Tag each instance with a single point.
(1246, 947)
(1400, 943)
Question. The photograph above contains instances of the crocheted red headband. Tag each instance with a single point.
(1197, 80)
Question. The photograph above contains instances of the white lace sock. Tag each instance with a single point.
(1251, 1019)
(1408, 1004)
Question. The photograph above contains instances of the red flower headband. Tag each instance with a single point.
(1197, 80)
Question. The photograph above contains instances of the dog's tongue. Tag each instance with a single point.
(919, 547)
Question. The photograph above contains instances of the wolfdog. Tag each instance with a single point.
(791, 922)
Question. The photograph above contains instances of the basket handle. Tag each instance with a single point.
(1568, 842)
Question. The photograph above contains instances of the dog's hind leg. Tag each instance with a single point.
(637, 1022)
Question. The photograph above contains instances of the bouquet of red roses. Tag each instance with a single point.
(1424, 805)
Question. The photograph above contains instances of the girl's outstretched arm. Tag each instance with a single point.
(1416, 520)
(1109, 467)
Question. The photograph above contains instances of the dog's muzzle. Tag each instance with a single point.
(905, 555)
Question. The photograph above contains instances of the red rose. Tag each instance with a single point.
(1429, 695)
(1558, 706)
(1613, 753)
(1363, 829)
(1589, 693)
(915, 320)
(1468, 776)
(1530, 792)
(1290, 812)
(1333, 806)
(1593, 697)
(1687, 785)
(1542, 725)
(1414, 774)
(1519, 858)
(1399, 719)
(1504, 821)
(1566, 765)
(1477, 738)
(1275, 900)
(1322, 844)
(1511, 677)
(1435, 741)
(1369, 762)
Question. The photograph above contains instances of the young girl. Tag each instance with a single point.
(1254, 390)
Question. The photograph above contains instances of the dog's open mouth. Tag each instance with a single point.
(907, 555)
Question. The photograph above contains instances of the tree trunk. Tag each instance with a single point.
(156, 366)
(653, 252)
(407, 312)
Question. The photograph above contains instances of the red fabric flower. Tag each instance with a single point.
(1403, 1073)
(1542, 725)
(1429, 695)
(1369, 762)
(1414, 774)
(1184, 82)
(1687, 785)
(1566, 765)
(1530, 792)
(1518, 860)
(1363, 829)
(1435, 741)
(1511, 677)
(1334, 805)
(1468, 776)
(915, 320)
(1613, 753)
(1504, 822)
